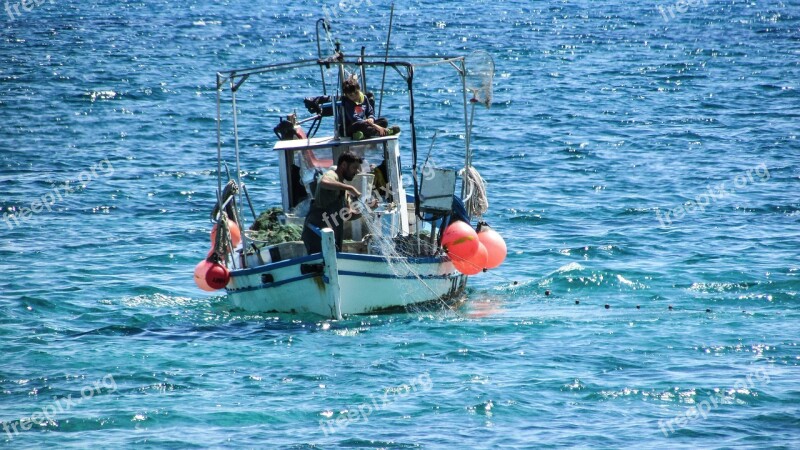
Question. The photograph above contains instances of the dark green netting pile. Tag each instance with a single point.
(268, 230)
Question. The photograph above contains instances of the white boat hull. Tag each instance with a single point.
(366, 283)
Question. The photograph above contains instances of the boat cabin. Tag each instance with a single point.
(301, 161)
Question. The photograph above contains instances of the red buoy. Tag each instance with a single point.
(460, 241)
(217, 276)
(495, 245)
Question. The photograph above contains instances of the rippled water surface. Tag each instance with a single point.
(643, 167)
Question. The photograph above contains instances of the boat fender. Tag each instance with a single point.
(460, 240)
(473, 265)
(494, 243)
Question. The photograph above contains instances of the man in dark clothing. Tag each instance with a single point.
(330, 207)
(359, 114)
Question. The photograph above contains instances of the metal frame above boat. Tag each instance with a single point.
(237, 77)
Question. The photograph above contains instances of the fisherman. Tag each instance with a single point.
(359, 114)
(330, 207)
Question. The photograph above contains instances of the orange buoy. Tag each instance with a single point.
(236, 234)
(494, 243)
(473, 265)
(217, 276)
(460, 240)
(200, 272)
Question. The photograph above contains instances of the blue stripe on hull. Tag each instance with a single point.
(275, 284)
(345, 273)
(379, 258)
(276, 265)
(318, 257)
(400, 277)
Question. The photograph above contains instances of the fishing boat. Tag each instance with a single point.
(400, 252)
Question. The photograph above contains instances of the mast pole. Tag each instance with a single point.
(238, 172)
(386, 58)
(467, 150)
(319, 53)
(219, 141)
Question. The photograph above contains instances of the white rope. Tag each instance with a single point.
(477, 203)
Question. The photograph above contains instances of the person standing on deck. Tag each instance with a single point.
(330, 207)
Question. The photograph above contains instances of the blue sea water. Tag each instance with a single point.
(641, 158)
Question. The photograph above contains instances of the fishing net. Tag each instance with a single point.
(268, 230)
(480, 73)
(384, 240)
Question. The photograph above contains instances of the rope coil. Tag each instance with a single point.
(476, 201)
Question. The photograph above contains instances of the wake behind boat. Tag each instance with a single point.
(398, 249)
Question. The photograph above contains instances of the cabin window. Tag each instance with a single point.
(305, 165)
